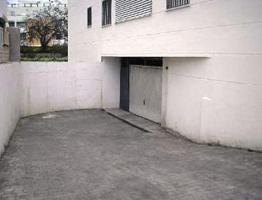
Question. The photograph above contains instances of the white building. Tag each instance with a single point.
(195, 68)
(20, 10)
(209, 87)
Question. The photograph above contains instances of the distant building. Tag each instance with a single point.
(4, 35)
(9, 38)
(18, 12)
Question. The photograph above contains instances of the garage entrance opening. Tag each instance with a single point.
(141, 87)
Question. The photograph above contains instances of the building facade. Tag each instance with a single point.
(4, 34)
(193, 66)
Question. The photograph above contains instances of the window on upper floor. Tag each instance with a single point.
(106, 12)
(89, 17)
(128, 10)
(177, 3)
(13, 5)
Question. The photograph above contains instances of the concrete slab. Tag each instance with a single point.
(92, 155)
(139, 122)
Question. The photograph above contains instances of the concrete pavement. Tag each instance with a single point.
(91, 155)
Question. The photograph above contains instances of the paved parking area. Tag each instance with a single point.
(91, 155)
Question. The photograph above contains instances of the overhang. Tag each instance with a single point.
(175, 55)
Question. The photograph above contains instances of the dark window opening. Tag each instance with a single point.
(106, 12)
(177, 3)
(152, 61)
(89, 17)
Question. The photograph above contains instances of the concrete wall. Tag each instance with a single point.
(9, 101)
(111, 82)
(216, 100)
(48, 87)
(30, 88)
(3, 10)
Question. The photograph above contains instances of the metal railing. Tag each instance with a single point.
(177, 3)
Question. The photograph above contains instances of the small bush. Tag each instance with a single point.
(63, 50)
(44, 59)
(54, 53)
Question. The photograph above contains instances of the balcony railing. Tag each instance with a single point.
(177, 3)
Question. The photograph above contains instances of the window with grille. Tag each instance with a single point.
(130, 9)
(89, 17)
(177, 3)
(106, 12)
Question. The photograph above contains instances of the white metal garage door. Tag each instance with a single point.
(146, 91)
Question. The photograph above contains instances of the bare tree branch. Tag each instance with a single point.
(49, 23)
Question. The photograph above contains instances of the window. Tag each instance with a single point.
(106, 12)
(128, 10)
(14, 5)
(89, 17)
(177, 3)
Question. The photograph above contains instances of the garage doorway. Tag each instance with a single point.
(141, 87)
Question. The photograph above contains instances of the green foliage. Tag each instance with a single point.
(44, 59)
(56, 49)
(50, 54)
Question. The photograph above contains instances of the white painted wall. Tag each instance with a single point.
(111, 82)
(30, 88)
(48, 87)
(206, 27)
(9, 101)
(3, 10)
(217, 100)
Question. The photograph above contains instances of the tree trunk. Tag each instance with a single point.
(44, 42)
(44, 47)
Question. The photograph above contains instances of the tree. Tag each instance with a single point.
(48, 23)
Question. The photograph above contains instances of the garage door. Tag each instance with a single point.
(146, 91)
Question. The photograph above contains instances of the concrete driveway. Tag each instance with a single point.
(91, 155)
